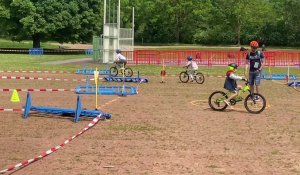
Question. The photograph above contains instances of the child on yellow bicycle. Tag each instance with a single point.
(191, 66)
(120, 59)
(230, 82)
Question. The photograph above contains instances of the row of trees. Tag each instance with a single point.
(276, 22)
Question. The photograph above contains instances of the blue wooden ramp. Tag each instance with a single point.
(126, 79)
(86, 71)
(77, 113)
(106, 90)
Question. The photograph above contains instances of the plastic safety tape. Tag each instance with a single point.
(52, 150)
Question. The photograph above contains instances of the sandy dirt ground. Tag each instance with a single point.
(165, 129)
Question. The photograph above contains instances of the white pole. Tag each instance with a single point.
(104, 15)
(132, 28)
(118, 24)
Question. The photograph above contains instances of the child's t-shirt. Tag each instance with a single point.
(230, 81)
(120, 57)
(192, 65)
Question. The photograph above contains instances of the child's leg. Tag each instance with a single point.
(234, 94)
(190, 73)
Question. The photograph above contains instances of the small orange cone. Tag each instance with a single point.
(15, 97)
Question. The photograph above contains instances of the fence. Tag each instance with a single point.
(211, 57)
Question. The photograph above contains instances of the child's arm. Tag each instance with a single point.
(187, 64)
(235, 77)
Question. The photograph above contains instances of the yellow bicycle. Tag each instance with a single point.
(254, 103)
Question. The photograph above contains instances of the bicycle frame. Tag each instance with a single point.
(241, 92)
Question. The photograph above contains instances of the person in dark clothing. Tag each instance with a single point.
(255, 63)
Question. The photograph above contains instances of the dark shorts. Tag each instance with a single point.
(254, 78)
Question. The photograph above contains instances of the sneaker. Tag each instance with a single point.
(257, 98)
(228, 104)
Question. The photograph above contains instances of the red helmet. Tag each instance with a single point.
(254, 44)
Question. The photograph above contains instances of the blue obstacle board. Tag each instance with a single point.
(126, 79)
(91, 72)
(36, 51)
(278, 77)
(89, 51)
(77, 113)
(294, 84)
(86, 71)
(106, 90)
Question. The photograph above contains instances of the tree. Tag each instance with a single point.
(59, 20)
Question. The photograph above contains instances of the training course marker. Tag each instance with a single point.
(38, 90)
(77, 113)
(38, 78)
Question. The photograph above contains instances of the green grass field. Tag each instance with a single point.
(27, 62)
(24, 44)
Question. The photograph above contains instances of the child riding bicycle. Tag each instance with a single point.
(192, 67)
(230, 82)
(120, 59)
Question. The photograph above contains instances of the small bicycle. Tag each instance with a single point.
(198, 77)
(254, 103)
(118, 68)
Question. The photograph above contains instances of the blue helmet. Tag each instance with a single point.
(118, 51)
(190, 58)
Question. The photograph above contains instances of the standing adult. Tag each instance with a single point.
(255, 63)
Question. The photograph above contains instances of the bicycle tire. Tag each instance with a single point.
(128, 72)
(199, 78)
(219, 101)
(113, 71)
(184, 77)
(250, 104)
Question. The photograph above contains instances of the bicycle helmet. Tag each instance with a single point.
(189, 58)
(118, 51)
(232, 66)
(254, 44)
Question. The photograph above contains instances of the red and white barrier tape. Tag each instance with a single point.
(33, 71)
(39, 78)
(212, 76)
(37, 90)
(11, 110)
(52, 150)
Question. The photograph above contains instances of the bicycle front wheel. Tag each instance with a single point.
(184, 77)
(113, 71)
(128, 72)
(216, 101)
(255, 103)
(199, 78)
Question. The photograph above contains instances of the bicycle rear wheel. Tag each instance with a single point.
(128, 72)
(184, 77)
(255, 103)
(199, 78)
(113, 71)
(216, 101)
